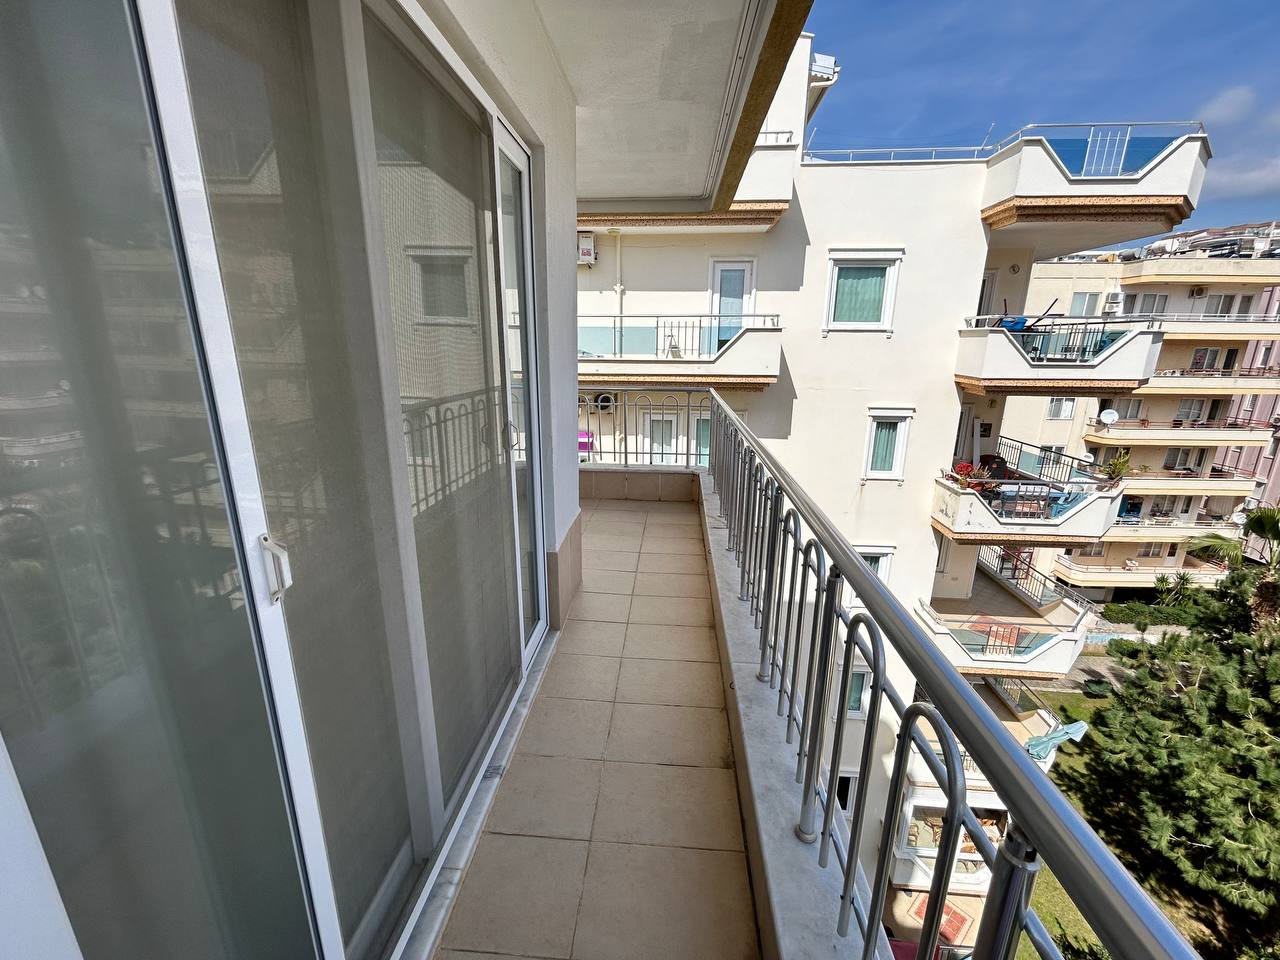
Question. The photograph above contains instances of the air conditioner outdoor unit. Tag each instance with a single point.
(587, 248)
(1198, 292)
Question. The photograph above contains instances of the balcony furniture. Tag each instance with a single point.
(586, 441)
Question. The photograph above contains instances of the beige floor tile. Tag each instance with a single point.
(663, 531)
(612, 559)
(684, 611)
(685, 548)
(632, 506)
(611, 541)
(681, 683)
(577, 677)
(670, 806)
(470, 955)
(685, 507)
(520, 896)
(667, 563)
(566, 728)
(607, 581)
(689, 736)
(641, 903)
(651, 641)
(597, 638)
(602, 528)
(547, 797)
(669, 585)
(600, 606)
(673, 519)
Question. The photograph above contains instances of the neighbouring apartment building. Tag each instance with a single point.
(1197, 435)
(843, 311)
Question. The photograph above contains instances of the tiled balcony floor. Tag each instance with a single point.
(616, 833)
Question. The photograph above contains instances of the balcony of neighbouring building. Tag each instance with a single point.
(736, 351)
(1180, 381)
(1031, 356)
(1218, 326)
(1012, 619)
(1134, 572)
(1155, 527)
(1207, 479)
(1187, 432)
(680, 766)
(991, 510)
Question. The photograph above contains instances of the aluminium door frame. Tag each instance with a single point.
(181, 163)
(507, 145)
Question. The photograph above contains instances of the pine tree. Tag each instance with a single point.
(1187, 777)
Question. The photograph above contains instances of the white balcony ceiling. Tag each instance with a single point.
(659, 86)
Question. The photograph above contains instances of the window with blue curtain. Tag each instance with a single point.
(859, 294)
(884, 445)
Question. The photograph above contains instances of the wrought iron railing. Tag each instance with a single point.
(662, 336)
(1032, 460)
(1058, 339)
(818, 604)
(1185, 423)
(624, 428)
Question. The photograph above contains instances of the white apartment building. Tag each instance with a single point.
(830, 313)
(1185, 428)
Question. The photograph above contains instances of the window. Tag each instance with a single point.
(702, 440)
(1190, 408)
(1056, 448)
(943, 550)
(1151, 549)
(886, 443)
(444, 288)
(1130, 302)
(660, 433)
(1154, 302)
(1062, 408)
(1272, 446)
(1084, 304)
(1219, 303)
(1246, 303)
(1183, 458)
(1204, 358)
(1092, 550)
(1128, 408)
(877, 558)
(731, 291)
(1173, 550)
(861, 291)
(1264, 357)
(859, 684)
(846, 785)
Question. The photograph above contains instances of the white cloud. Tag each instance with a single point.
(1229, 107)
(1249, 177)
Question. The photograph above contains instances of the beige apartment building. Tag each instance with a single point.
(1186, 428)
(828, 309)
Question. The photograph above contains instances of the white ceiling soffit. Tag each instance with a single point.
(659, 86)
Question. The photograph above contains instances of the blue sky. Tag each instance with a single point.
(932, 73)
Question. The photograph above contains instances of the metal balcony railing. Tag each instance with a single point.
(1208, 372)
(1060, 339)
(625, 428)
(1018, 572)
(1187, 423)
(662, 336)
(1043, 463)
(1086, 150)
(1027, 500)
(818, 604)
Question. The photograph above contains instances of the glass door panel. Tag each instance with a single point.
(435, 181)
(730, 300)
(522, 435)
(132, 702)
(278, 151)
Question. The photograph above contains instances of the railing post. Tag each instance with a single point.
(765, 673)
(1012, 876)
(817, 706)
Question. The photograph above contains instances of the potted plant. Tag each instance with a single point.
(1115, 468)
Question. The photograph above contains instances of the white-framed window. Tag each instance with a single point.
(860, 289)
(1147, 550)
(1264, 357)
(443, 287)
(944, 546)
(887, 429)
(1246, 303)
(1084, 304)
(1184, 458)
(878, 558)
(1154, 303)
(1217, 303)
(702, 440)
(1092, 549)
(1062, 408)
(660, 437)
(1130, 303)
(1190, 408)
(846, 790)
(1128, 408)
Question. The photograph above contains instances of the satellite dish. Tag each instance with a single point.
(1239, 517)
(1108, 417)
(1087, 458)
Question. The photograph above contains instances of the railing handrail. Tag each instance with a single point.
(680, 316)
(1184, 423)
(1142, 567)
(1035, 322)
(1269, 371)
(1024, 569)
(1111, 900)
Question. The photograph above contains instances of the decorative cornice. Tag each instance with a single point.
(742, 214)
(1039, 387)
(1171, 210)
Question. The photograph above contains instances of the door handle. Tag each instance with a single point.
(276, 560)
(513, 438)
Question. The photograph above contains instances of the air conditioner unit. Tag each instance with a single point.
(1198, 292)
(587, 248)
(1112, 303)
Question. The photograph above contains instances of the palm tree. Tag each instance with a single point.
(1174, 591)
(1263, 523)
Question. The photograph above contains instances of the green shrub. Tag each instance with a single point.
(1152, 614)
